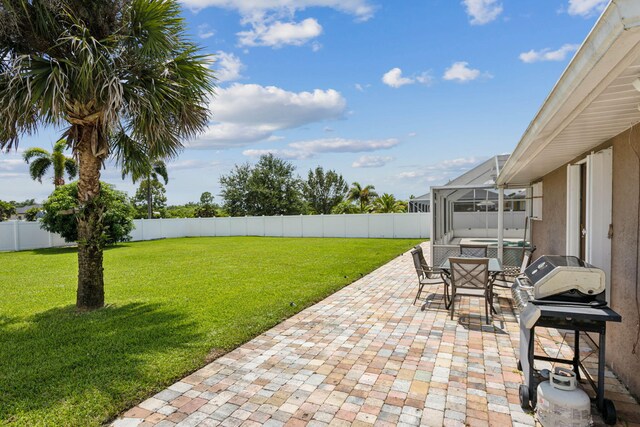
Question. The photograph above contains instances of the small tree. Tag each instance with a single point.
(6, 210)
(387, 203)
(268, 188)
(363, 195)
(206, 208)
(62, 211)
(346, 207)
(150, 189)
(40, 160)
(32, 214)
(323, 191)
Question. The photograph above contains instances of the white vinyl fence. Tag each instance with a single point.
(20, 235)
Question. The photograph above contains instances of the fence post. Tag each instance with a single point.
(16, 236)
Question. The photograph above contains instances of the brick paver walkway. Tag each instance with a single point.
(366, 356)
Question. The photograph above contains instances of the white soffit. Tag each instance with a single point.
(593, 101)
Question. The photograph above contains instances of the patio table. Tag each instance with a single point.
(495, 268)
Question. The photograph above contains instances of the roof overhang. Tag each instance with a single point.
(592, 102)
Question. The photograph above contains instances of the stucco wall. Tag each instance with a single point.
(624, 252)
(549, 234)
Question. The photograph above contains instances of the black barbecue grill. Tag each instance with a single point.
(562, 292)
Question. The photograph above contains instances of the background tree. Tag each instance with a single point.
(40, 161)
(158, 199)
(32, 214)
(206, 208)
(143, 167)
(60, 208)
(346, 207)
(110, 70)
(323, 191)
(268, 188)
(387, 203)
(362, 195)
(6, 210)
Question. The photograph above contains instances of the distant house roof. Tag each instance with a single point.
(22, 210)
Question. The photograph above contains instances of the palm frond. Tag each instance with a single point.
(71, 167)
(160, 168)
(39, 168)
(37, 152)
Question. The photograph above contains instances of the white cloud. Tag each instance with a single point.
(275, 108)
(361, 87)
(586, 8)
(12, 164)
(307, 149)
(228, 67)
(441, 172)
(342, 145)
(248, 113)
(482, 11)
(372, 161)
(272, 21)
(316, 46)
(277, 34)
(205, 32)
(395, 79)
(461, 72)
(284, 154)
(548, 54)
(361, 9)
(190, 164)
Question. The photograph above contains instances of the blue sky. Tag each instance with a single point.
(398, 94)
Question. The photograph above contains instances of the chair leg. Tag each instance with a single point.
(486, 309)
(453, 299)
(418, 294)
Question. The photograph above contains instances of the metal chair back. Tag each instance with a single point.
(470, 273)
(420, 270)
(473, 250)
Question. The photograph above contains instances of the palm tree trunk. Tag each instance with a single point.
(149, 199)
(90, 293)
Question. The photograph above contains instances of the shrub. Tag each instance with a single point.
(61, 211)
(32, 214)
(6, 210)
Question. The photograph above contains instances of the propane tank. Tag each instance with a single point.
(561, 403)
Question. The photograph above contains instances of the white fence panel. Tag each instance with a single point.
(381, 225)
(7, 236)
(17, 235)
(357, 225)
(334, 226)
(273, 226)
(255, 225)
(312, 225)
(292, 226)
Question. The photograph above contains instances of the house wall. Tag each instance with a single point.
(624, 260)
(549, 235)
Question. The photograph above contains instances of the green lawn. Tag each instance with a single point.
(171, 303)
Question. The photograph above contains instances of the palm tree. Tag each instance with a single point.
(111, 70)
(362, 195)
(39, 167)
(387, 203)
(148, 171)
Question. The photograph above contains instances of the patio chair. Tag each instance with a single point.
(473, 250)
(509, 274)
(470, 277)
(428, 275)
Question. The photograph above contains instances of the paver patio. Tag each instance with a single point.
(366, 356)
